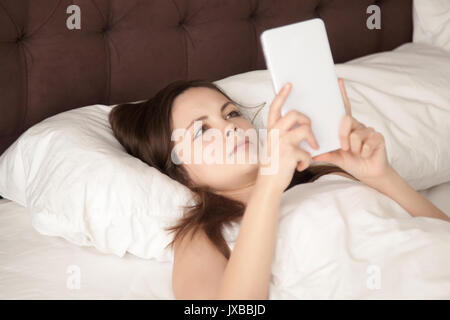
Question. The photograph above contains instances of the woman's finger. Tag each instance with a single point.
(291, 118)
(348, 124)
(358, 138)
(303, 158)
(370, 145)
(348, 109)
(301, 133)
(277, 104)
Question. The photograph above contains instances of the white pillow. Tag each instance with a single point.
(77, 182)
(431, 19)
(404, 94)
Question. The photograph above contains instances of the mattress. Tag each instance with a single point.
(35, 266)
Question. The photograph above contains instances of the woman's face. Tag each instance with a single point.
(211, 126)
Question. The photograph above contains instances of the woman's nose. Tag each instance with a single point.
(230, 129)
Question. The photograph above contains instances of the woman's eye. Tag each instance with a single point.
(234, 113)
(199, 131)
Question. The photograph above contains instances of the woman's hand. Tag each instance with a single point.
(284, 134)
(363, 150)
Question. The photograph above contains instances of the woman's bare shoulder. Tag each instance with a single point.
(197, 246)
(197, 269)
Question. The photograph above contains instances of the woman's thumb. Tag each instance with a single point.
(331, 157)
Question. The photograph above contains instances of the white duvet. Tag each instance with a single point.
(360, 245)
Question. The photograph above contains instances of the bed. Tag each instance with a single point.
(126, 51)
(33, 266)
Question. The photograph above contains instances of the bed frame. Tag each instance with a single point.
(126, 50)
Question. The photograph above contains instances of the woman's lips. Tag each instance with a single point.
(243, 143)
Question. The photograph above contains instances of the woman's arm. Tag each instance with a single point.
(201, 271)
(248, 271)
(396, 188)
(247, 275)
(363, 155)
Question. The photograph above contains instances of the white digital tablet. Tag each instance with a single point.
(300, 53)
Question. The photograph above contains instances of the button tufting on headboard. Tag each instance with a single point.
(154, 43)
(317, 8)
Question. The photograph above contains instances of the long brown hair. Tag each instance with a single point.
(144, 129)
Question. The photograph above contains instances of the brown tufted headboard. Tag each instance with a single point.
(126, 50)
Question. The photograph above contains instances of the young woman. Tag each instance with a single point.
(204, 267)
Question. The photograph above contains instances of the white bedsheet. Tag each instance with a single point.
(34, 266)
